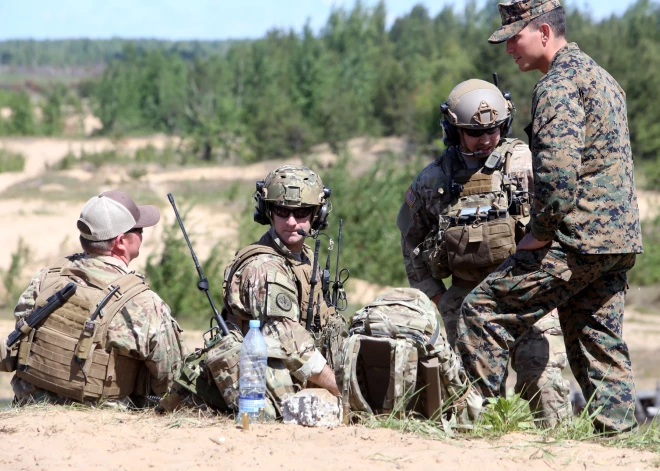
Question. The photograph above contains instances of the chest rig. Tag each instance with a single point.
(477, 226)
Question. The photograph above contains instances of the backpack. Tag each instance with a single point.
(396, 360)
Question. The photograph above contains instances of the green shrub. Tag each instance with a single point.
(647, 267)
(368, 205)
(11, 276)
(11, 161)
(174, 277)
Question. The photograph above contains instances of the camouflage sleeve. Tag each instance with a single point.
(415, 223)
(28, 299)
(145, 330)
(289, 341)
(262, 288)
(558, 137)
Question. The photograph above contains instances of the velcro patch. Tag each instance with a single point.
(410, 197)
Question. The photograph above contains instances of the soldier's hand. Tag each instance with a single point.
(529, 242)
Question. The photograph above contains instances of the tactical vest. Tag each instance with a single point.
(67, 354)
(477, 230)
(303, 276)
(395, 359)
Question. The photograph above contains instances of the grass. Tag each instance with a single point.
(11, 161)
(504, 416)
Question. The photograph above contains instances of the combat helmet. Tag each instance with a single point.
(293, 186)
(475, 104)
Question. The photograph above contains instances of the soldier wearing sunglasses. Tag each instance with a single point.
(270, 280)
(463, 215)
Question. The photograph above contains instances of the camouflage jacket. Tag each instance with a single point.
(255, 292)
(426, 199)
(584, 188)
(144, 329)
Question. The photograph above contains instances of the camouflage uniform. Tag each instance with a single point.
(264, 287)
(145, 330)
(585, 202)
(540, 355)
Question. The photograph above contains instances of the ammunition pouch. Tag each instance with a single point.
(8, 358)
(480, 243)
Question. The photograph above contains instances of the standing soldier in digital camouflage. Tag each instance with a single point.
(134, 344)
(460, 218)
(270, 281)
(585, 230)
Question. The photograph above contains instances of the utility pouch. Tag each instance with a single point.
(481, 244)
(434, 254)
(222, 362)
(84, 346)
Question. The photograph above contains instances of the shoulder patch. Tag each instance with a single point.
(283, 302)
(410, 197)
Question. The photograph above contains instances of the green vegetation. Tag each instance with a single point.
(281, 94)
(11, 161)
(173, 276)
(647, 266)
(11, 277)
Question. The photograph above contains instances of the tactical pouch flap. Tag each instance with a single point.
(223, 364)
(481, 244)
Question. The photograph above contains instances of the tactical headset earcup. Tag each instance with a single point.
(321, 218)
(450, 135)
(508, 124)
(260, 214)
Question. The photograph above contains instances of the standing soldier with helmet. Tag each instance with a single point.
(270, 280)
(462, 217)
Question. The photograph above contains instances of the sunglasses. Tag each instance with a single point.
(480, 132)
(135, 230)
(298, 213)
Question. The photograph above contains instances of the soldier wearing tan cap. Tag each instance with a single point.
(584, 231)
(136, 344)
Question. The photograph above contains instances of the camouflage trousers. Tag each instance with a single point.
(538, 357)
(588, 291)
(281, 383)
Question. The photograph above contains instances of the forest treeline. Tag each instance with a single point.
(281, 94)
(91, 52)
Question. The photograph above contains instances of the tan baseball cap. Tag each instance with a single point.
(517, 14)
(112, 213)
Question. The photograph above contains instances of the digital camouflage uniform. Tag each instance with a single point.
(143, 330)
(264, 287)
(585, 202)
(539, 356)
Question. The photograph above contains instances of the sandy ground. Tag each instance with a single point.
(44, 439)
(60, 438)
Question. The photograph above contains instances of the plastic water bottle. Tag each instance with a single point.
(252, 371)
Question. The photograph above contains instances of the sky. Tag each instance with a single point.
(203, 19)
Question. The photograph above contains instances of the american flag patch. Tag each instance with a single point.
(410, 197)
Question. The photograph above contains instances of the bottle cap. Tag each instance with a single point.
(255, 323)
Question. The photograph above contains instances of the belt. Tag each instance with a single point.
(461, 283)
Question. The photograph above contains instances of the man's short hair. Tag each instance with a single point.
(556, 19)
(96, 246)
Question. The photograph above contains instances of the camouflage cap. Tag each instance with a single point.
(517, 14)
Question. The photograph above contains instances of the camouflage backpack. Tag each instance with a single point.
(395, 359)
